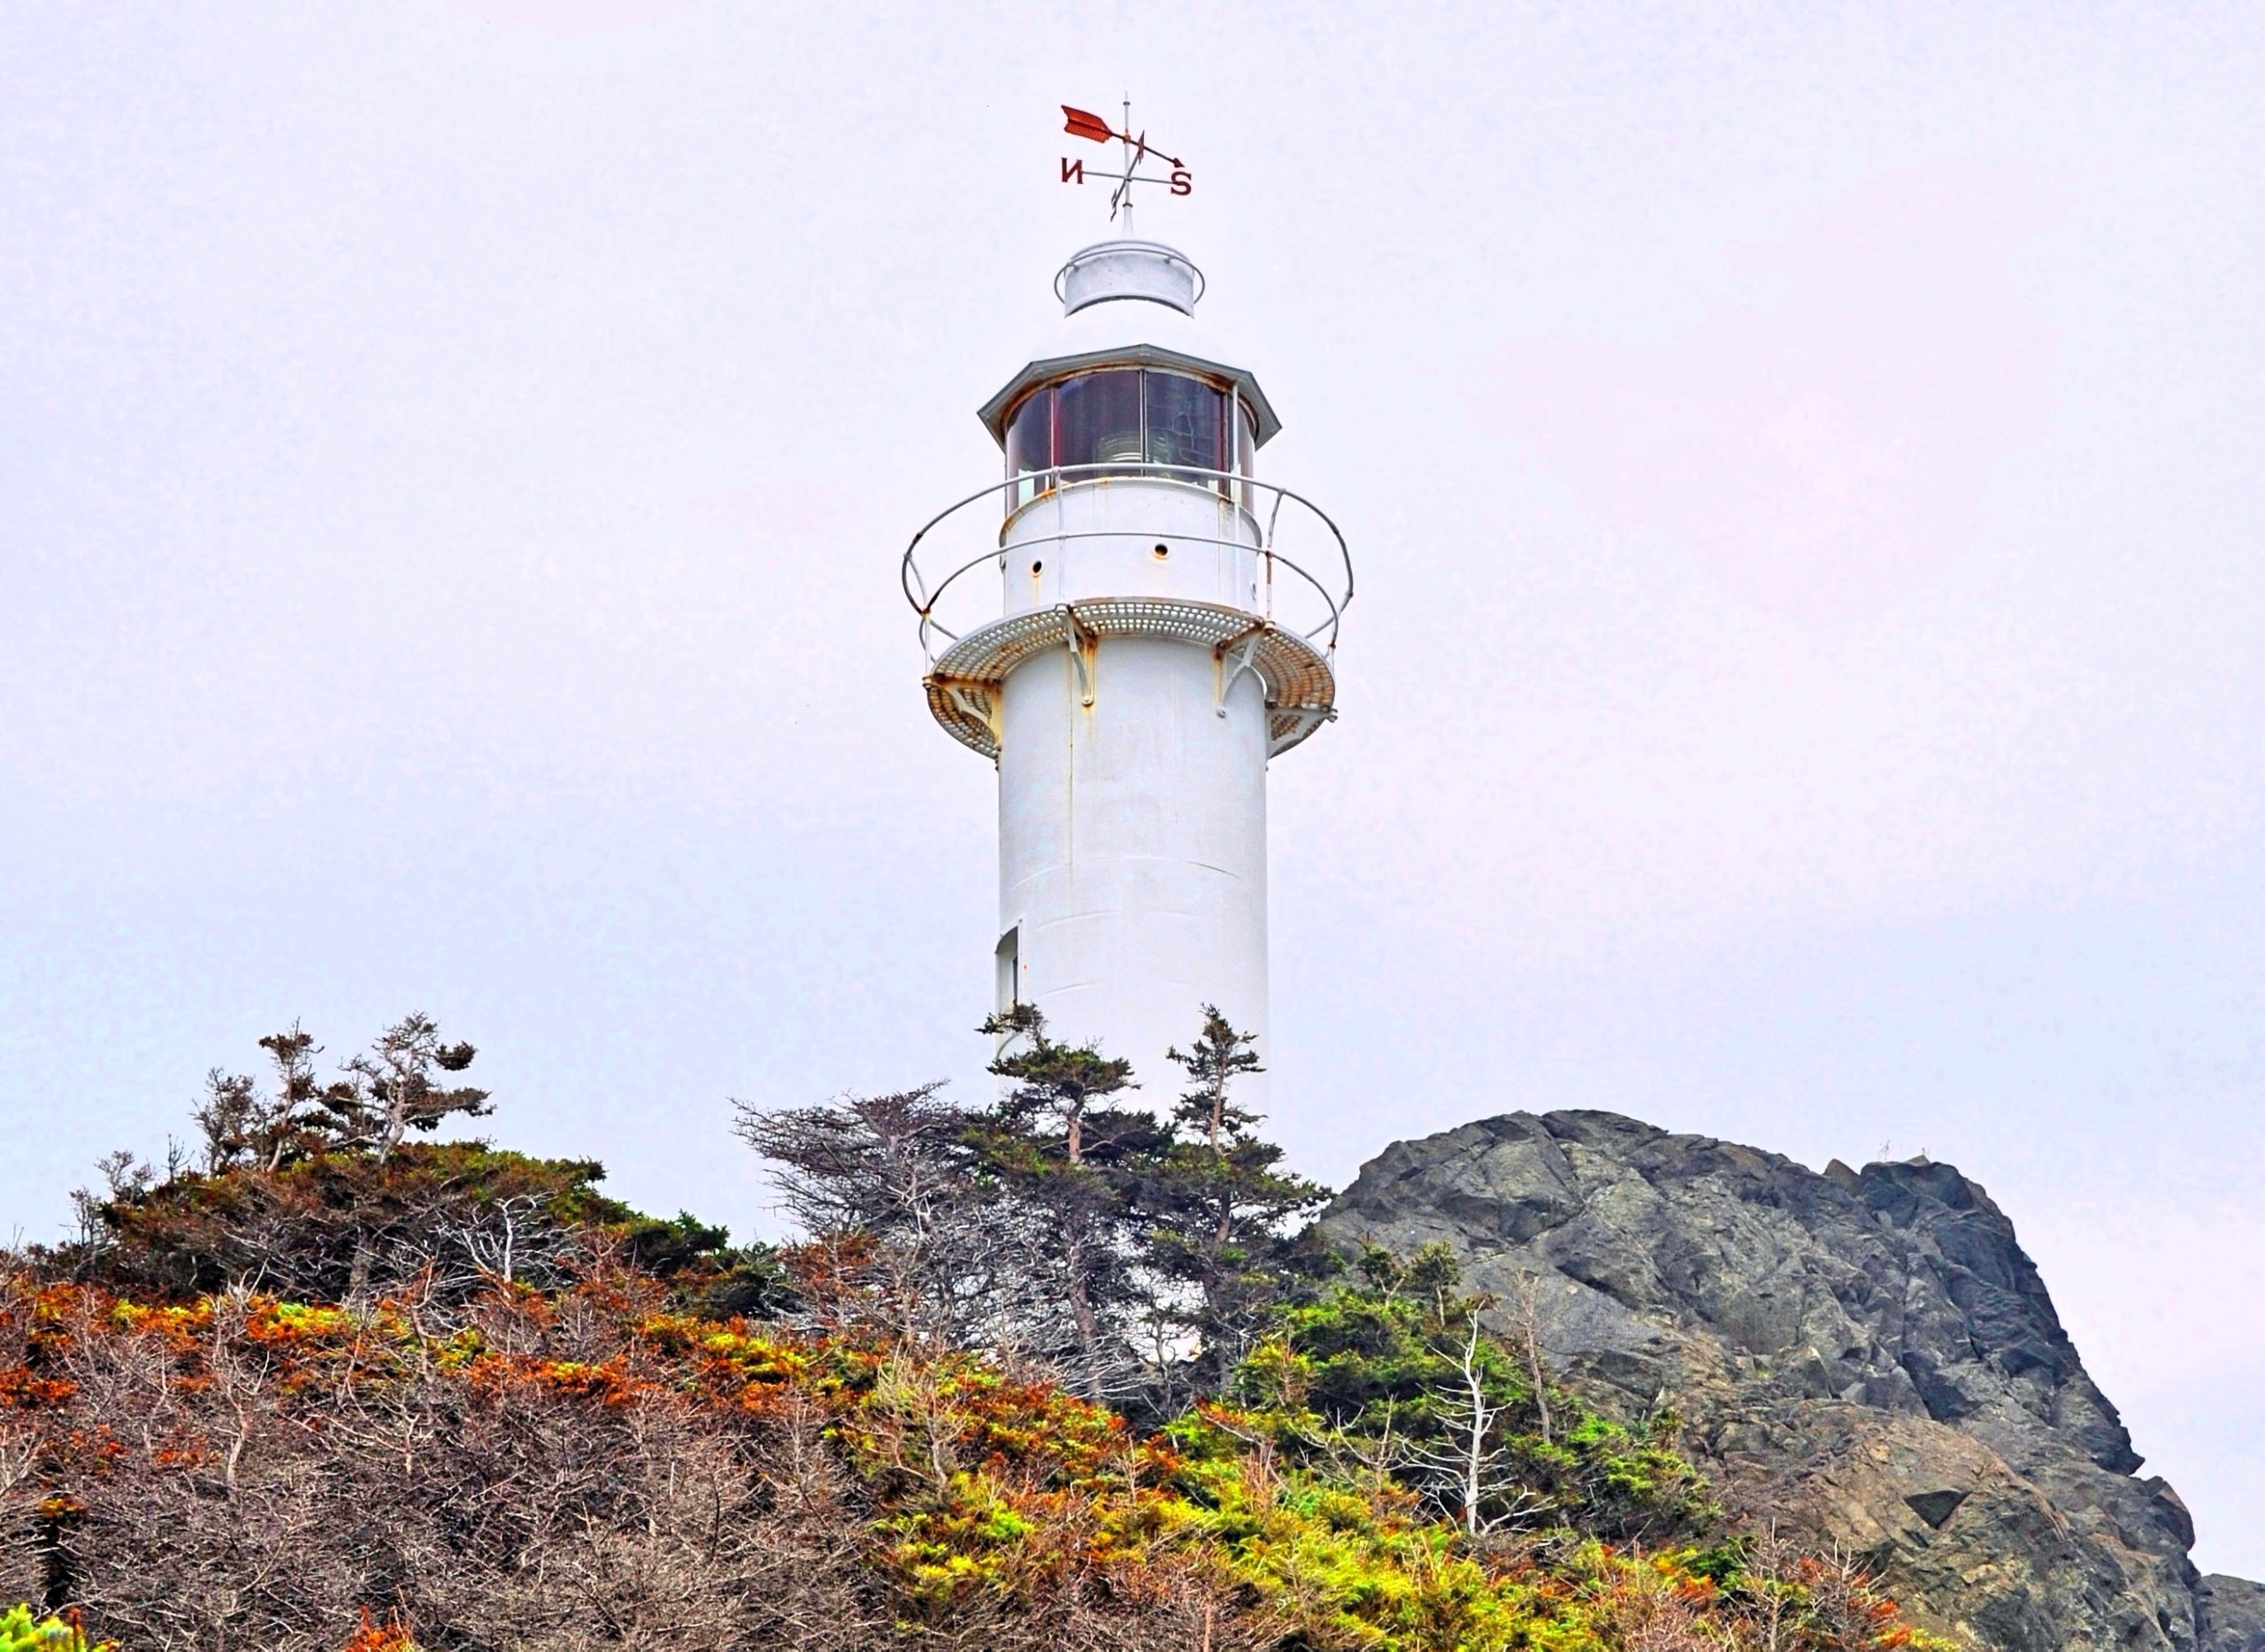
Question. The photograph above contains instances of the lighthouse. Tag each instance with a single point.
(1133, 625)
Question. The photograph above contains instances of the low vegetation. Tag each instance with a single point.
(1050, 1372)
(20, 1632)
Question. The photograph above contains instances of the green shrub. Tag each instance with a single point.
(20, 1632)
(1391, 1369)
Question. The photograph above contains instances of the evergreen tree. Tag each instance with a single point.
(1058, 1143)
(1142, 1257)
(1214, 1208)
(395, 1087)
(297, 1120)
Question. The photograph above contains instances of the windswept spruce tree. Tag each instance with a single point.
(398, 1086)
(1135, 1257)
(1218, 1211)
(1058, 1145)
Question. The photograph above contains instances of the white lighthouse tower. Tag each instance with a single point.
(1166, 625)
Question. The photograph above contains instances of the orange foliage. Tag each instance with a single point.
(371, 1637)
(20, 1388)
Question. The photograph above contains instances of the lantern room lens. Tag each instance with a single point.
(1187, 423)
(1124, 421)
(1097, 420)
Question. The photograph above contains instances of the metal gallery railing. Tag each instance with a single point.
(1060, 479)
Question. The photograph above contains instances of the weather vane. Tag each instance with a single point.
(1081, 124)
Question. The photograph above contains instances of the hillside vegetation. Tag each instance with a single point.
(1046, 1372)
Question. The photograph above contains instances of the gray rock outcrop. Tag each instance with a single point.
(1865, 1355)
(2232, 1613)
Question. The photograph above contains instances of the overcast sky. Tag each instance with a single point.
(1804, 464)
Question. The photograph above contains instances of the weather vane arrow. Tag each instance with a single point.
(1083, 123)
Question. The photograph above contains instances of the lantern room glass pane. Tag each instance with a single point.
(1097, 419)
(1245, 445)
(1030, 445)
(1188, 424)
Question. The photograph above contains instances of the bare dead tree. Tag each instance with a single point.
(888, 1165)
(1657, 1619)
(885, 1185)
(1374, 1457)
(512, 1239)
(1523, 1311)
(1768, 1597)
(1469, 1460)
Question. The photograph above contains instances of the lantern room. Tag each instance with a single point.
(1129, 403)
(1139, 410)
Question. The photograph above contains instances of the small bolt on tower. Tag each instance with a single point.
(1167, 625)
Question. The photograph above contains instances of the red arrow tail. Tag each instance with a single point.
(1082, 124)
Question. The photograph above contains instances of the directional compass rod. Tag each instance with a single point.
(1083, 123)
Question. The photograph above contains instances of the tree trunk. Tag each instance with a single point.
(1088, 1323)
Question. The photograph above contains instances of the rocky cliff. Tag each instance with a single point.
(1866, 1354)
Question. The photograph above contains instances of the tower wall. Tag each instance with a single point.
(1133, 849)
(1102, 538)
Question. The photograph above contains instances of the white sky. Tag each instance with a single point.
(1803, 463)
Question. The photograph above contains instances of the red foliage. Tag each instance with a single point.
(23, 1388)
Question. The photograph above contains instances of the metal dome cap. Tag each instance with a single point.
(1111, 270)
